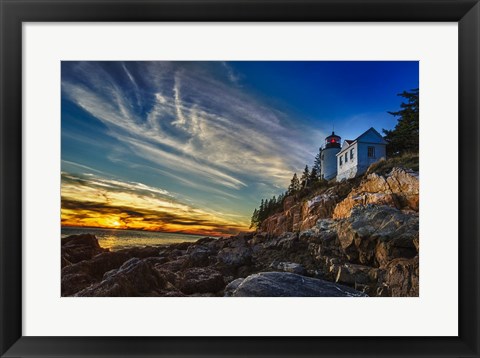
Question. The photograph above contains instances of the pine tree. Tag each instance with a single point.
(305, 177)
(313, 176)
(294, 185)
(405, 136)
(254, 223)
(317, 164)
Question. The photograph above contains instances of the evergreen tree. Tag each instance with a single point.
(294, 185)
(262, 207)
(405, 136)
(267, 207)
(305, 177)
(317, 164)
(313, 176)
(254, 221)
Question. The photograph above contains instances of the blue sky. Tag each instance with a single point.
(203, 142)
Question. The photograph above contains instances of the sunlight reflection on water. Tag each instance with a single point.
(121, 239)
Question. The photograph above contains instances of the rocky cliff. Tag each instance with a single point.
(363, 233)
(399, 189)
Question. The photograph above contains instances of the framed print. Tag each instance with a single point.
(239, 178)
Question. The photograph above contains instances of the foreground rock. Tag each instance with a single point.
(374, 235)
(201, 280)
(76, 248)
(80, 275)
(284, 284)
(134, 278)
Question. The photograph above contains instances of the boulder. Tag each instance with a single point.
(323, 240)
(362, 278)
(284, 284)
(388, 249)
(134, 278)
(175, 265)
(76, 248)
(78, 276)
(373, 227)
(402, 277)
(197, 256)
(200, 280)
(232, 286)
(235, 256)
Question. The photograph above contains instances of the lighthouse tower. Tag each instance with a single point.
(328, 157)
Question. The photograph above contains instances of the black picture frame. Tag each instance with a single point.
(15, 12)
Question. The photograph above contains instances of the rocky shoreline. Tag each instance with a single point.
(353, 240)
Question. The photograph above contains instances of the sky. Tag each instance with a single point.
(192, 147)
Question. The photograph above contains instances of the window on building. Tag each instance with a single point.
(340, 159)
(351, 154)
(346, 157)
(371, 152)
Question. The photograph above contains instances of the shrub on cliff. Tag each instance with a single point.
(405, 161)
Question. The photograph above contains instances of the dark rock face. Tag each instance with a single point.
(81, 274)
(283, 284)
(77, 248)
(200, 280)
(402, 277)
(134, 278)
(235, 256)
(373, 235)
(198, 256)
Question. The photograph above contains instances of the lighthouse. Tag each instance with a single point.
(328, 157)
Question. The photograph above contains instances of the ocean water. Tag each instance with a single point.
(122, 239)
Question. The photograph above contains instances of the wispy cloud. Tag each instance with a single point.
(231, 74)
(190, 124)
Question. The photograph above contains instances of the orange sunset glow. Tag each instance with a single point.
(90, 201)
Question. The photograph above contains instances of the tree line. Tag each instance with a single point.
(298, 186)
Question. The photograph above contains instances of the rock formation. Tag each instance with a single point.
(399, 189)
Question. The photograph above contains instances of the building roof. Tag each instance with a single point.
(333, 135)
(359, 139)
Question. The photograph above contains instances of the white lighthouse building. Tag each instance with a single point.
(328, 157)
(357, 155)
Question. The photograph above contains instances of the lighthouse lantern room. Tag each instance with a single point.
(328, 157)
